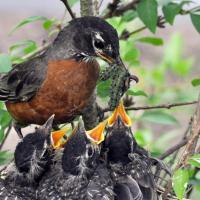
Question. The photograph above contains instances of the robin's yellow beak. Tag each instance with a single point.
(96, 135)
(59, 138)
(119, 112)
(105, 57)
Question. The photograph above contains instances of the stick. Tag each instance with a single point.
(166, 106)
(68, 8)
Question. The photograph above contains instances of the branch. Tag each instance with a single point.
(87, 7)
(173, 149)
(116, 11)
(68, 8)
(126, 34)
(112, 8)
(167, 106)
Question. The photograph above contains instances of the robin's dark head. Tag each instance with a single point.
(119, 141)
(93, 36)
(32, 152)
(82, 150)
(89, 37)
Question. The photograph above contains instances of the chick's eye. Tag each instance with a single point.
(99, 44)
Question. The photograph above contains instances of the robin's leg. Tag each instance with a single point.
(18, 129)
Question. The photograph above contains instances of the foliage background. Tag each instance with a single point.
(166, 63)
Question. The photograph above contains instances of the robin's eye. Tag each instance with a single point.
(99, 44)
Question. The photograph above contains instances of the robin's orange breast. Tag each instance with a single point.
(65, 92)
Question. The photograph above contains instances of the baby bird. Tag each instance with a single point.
(79, 161)
(31, 158)
(130, 165)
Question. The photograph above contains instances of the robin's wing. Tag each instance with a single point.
(23, 81)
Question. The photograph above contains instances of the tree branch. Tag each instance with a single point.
(126, 34)
(114, 10)
(166, 106)
(68, 8)
(87, 7)
(173, 149)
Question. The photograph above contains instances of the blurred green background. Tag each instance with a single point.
(167, 64)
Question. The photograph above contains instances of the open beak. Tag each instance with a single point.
(119, 112)
(96, 135)
(59, 138)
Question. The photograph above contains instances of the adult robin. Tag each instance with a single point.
(62, 79)
(32, 158)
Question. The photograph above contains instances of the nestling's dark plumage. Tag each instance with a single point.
(70, 178)
(32, 158)
(130, 165)
(100, 186)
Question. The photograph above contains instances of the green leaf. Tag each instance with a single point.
(72, 2)
(1, 134)
(143, 137)
(129, 15)
(170, 11)
(195, 160)
(136, 93)
(148, 13)
(195, 21)
(179, 182)
(28, 21)
(103, 89)
(159, 117)
(48, 24)
(5, 63)
(196, 82)
(5, 157)
(22, 47)
(5, 118)
(152, 40)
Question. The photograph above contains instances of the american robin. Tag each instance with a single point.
(131, 166)
(62, 79)
(31, 158)
(70, 178)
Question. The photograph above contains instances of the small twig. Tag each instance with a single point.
(120, 10)
(112, 7)
(125, 35)
(173, 149)
(6, 135)
(68, 8)
(166, 106)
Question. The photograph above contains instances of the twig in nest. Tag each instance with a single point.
(194, 136)
(68, 8)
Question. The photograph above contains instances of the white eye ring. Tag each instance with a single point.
(98, 36)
